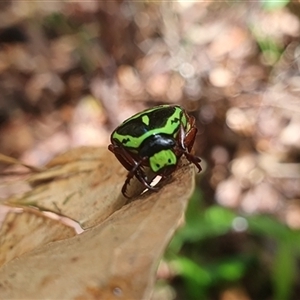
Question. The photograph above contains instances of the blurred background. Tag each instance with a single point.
(70, 72)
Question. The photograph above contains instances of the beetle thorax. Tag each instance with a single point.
(159, 149)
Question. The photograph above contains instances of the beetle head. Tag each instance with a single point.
(163, 162)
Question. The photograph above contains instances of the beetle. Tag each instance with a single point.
(157, 138)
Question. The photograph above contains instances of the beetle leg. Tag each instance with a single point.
(132, 172)
(186, 142)
(142, 179)
(139, 174)
(129, 163)
(190, 136)
(193, 159)
(126, 160)
(130, 175)
(181, 137)
(181, 134)
(187, 138)
(137, 171)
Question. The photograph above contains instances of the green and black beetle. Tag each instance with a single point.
(156, 137)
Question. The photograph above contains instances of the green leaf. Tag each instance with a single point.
(219, 219)
(274, 4)
(191, 270)
(196, 279)
(232, 269)
(202, 224)
(284, 271)
(264, 225)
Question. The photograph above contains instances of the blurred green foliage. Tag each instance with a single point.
(274, 4)
(270, 48)
(210, 253)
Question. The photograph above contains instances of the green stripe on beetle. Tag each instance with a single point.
(145, 120)
(164, 119)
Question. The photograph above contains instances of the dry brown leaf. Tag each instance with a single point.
(12, 161)
(83, 184)
(115, 259)
(23, 232)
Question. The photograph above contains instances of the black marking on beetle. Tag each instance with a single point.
(155, 143)
(157, 119)
(125, 141)
(176, 120)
